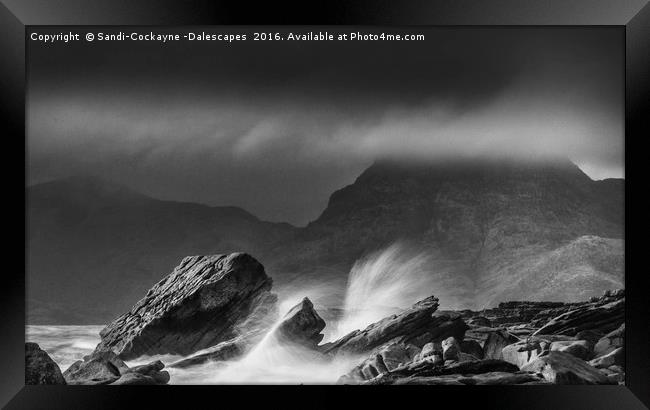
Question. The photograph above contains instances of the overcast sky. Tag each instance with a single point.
(276, 127)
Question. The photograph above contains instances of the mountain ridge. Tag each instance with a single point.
(481, 224)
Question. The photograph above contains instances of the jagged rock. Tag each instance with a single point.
(40, 368)
(382, 360)
(223, 351)
(204, 301)
(450, 349)
(578, 348)
(610, 341)
(591, 316)
(615, 357)
(417, 325)
(523, 318)
(301, 325)
(495, 342)
(97, 368)
(563, 368)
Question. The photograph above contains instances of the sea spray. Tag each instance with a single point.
(382, 284)
(64, 344)
(273, 361)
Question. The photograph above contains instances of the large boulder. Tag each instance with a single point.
(301, 325)
(563, 368)
(591, 316)
(417, 325)
(204, 301)
(40, 368)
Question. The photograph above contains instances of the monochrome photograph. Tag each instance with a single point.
(330, 205)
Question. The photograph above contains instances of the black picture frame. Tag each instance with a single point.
(632, 16)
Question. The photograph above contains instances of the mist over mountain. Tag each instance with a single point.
(491, 230)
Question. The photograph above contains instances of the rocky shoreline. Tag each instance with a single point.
(219, 307)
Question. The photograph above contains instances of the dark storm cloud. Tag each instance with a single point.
(275, 127)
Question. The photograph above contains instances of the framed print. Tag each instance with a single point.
(257, 203)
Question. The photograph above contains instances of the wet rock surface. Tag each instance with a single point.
(418, 325)
(301, 325)
(203, 302)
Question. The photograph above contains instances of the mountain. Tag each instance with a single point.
(495, 230)
(492, 231)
